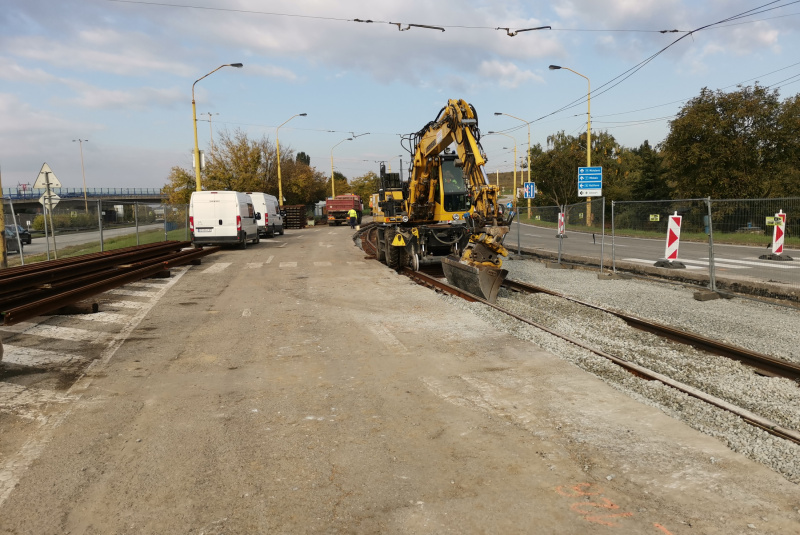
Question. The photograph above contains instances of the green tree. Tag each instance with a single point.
(555, 170)
(726, 145)
(303, 158)
(648, 179)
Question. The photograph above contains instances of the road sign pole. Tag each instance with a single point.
(50, 209)
(46, 235)
(100, 221)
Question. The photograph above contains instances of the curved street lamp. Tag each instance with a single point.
(515, 164)
(194, 123)
(333, 189)
(529, 150)
(588, 133)
(278, 150)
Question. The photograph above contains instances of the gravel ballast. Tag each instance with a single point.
(766, 328)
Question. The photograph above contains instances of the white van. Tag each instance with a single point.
(222, 217)
(271, 222)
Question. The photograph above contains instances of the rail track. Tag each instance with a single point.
(763, 364)
(35, 289)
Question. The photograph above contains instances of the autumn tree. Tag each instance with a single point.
(239, 163)
(365, 185)
(180, 185)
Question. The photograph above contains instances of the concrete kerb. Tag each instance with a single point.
(745, 286)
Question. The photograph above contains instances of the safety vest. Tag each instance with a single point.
(352, 213)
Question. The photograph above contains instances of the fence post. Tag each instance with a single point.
(613, 250)
(136, 219)
(19, 241)
(712, 281)
(100, 221)
(602, 232)
(165, 223)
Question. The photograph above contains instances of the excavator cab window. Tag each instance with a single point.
(455, 196)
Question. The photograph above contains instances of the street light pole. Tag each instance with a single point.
(529, 150)
(333, 189)
(515, 165)
(83, 172)
(278, 150)
(588, 133)
(194, 123)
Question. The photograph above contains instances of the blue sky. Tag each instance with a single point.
(119, 74)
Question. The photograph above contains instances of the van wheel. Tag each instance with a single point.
(271, 232)
(243, 243)
(257, 240)
(280, 230)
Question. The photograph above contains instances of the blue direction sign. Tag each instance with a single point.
(590, 181)
(530, 190)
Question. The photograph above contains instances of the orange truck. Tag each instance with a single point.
(338, 207)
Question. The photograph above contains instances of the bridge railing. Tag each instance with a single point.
(19, 194)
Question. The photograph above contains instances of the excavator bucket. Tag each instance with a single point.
(483, 282)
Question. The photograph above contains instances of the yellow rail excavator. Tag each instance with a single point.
(447, 212)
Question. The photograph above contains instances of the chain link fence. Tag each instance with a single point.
(730, 238)
(74, 229)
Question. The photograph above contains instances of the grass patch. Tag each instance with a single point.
(110, 244)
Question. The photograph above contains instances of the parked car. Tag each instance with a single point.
(24, 235)
(12, 245)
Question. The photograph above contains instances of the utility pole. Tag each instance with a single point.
(3, 252)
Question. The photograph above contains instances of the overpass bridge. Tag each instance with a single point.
(123, 194)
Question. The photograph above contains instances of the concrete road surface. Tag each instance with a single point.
(297, 387)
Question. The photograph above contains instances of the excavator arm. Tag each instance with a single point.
(478, 268)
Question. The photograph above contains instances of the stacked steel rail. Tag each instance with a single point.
(35, 289)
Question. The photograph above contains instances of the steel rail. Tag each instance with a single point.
(49, 275)
(640, 371)
(66, 284)
(765, 363)
(49, 304)
(74, 260)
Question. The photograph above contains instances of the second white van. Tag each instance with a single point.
(271, 222)
(223, 217)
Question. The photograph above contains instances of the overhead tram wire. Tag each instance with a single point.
(633, 70)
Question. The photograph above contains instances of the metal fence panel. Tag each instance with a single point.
(96, 225)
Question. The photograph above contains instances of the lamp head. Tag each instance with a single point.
(554, 67)
(237, 65)
(498, 113)
(492, 132)
(303, 114)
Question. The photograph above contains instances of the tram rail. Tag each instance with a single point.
(763, 363)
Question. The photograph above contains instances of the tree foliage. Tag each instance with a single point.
(365, 185)
(728, 145)
(239, 163)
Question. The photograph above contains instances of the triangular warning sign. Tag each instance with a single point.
(778, 233)
(46, 175)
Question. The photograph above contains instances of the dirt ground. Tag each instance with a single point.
(297, 387)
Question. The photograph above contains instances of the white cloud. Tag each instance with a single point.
(272, 71)
(136, 99)
(506, 74)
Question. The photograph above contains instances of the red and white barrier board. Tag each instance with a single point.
(778, 234)
(561, 226)
(673, 236)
